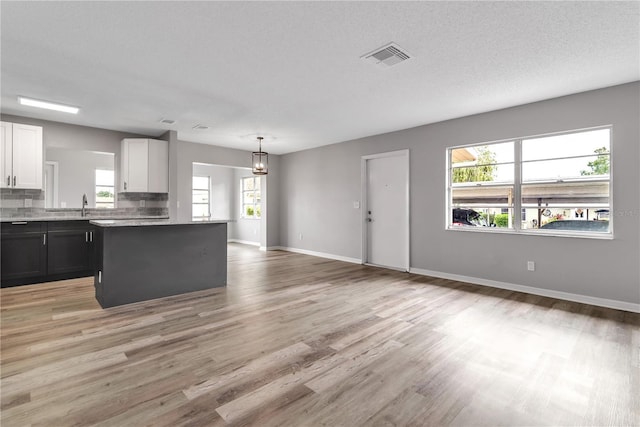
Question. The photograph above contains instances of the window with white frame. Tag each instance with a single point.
(558, 184)
(251, 200)
(105, 189)
(200, 197)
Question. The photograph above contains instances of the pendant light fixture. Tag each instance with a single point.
(260, 160)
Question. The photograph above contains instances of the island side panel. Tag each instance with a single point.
(148, 262)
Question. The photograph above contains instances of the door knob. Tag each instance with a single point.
(369, 220)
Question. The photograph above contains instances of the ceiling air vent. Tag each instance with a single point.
(167, 121)
(388, 55)
(200, 127)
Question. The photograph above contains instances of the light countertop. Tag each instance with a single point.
(80, 218)
(148, 222)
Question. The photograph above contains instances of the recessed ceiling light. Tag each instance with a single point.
(200, 127)
(48, 105)
(167, 121)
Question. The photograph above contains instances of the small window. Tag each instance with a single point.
(200, 197)
(558, 184)
(251, 200)
(105, 189)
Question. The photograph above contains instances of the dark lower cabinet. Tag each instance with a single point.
(23, 253)
(34, 252)
(70, 249)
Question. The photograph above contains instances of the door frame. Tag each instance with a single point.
(364, 189)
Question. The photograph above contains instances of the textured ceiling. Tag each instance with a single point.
(292, 70)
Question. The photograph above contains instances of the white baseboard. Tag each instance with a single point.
(318, 254)
(602, 302)
(244, 242)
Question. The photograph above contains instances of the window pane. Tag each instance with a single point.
(248, 211)
(200, 210)
(200, 196)
(201, 182)
(563, 194)
(105, 177)
(484, 154)
(575, 144)
(587, 219)
(248, 197)
(257, 183)
(258, 211)
(501, 196)
(484, 173)
(247, 184)
(482, 217)
(104, 195)
(566, 168)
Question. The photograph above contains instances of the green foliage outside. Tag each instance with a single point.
(485, 171)
(250, 211)
(600, 166)
(501, 220)
(104, 194)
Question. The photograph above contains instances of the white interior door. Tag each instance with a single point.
(386, 211)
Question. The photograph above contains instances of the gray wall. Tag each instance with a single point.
(222, 196)
(186, 153)
(320, 185)
(76, 174)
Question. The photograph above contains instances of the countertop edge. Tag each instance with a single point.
(146, 223)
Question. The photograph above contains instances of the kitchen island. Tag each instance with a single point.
(148, 259)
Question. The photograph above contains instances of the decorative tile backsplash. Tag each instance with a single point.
(16, 203)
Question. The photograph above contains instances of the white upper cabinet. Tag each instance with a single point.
(144, 166)
(22, 152)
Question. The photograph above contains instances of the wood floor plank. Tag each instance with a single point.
(297, 340)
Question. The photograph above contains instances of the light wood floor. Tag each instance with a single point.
(301, 341)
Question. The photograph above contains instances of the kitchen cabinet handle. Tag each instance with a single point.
(14, 180)
(91, 236)
(86, 236)
(19, 222)
(9, 181)
(44, 239)
(125, 185)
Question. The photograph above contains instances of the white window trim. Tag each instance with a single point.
(517, 184)
(242, 203)
(208, 196)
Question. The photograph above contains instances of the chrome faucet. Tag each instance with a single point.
(84, 204)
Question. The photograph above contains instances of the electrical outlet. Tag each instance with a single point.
(356, 205)
(142, 203)
(300, 236)
(531, 266)
(28, 203)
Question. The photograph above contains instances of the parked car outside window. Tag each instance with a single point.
(468, 217)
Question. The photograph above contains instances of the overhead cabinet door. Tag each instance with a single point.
(21, 156)
(6, 160)
(145, 165)
(27, 156)
(135, 165)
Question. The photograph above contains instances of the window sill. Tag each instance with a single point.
(495, 230)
